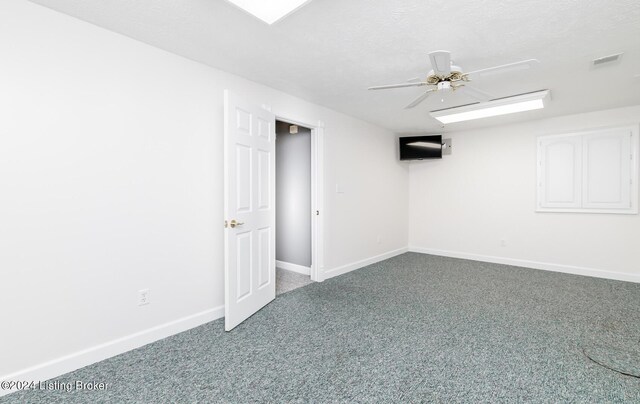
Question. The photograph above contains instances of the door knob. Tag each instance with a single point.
(234, 223)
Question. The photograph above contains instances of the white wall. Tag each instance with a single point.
(485, 192)
(112, 180)
(293, 195)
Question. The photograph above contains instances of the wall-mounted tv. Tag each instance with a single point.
(421, 147)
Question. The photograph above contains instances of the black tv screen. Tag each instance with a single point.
(421, 147)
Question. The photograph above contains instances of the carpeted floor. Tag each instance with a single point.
(414, 328)
(287, 281)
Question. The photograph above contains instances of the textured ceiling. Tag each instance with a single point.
(330, 51)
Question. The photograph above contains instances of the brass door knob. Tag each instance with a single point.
(235, 223)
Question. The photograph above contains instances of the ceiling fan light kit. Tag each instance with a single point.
(501, 106)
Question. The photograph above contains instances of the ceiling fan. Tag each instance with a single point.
(445, 77)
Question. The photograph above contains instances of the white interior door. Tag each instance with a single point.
(250, 263)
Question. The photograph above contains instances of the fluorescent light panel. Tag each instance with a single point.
(503, 106)
(269, 11)
(492, 111)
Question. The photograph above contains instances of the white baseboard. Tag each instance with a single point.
(363, 263)
(546, 266)
(77, 360)
(294, 267)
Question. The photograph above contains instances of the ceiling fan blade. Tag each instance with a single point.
(509, 67)
(475, 93)
(419, 99)
(398, 86)
(440, 62)
(414, 80)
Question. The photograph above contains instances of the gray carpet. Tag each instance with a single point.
(623, 358)
(287, 281)
(414, 328)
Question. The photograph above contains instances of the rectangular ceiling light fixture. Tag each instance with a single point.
(501, 106)
(269, 11)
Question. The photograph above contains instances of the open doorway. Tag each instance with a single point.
(293, 206)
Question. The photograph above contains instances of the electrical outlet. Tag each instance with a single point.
(143, 297)
(379, 239)
(503, 243)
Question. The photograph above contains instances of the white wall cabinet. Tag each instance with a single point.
(594, 171)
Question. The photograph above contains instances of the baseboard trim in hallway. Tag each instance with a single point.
(301, 269)
(77, 360)
(545, 266)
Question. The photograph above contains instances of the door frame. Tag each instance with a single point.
(317, 193)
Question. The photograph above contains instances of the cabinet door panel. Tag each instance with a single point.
(607, 170)
(559, 178)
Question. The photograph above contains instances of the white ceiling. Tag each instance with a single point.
(330, 51)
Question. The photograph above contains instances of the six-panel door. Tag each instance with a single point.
(249, 209)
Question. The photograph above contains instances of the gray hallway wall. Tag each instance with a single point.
(293, 195)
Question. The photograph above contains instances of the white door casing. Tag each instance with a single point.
(317, 194)
(249, 136)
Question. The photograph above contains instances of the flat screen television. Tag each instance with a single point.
(421, 147)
